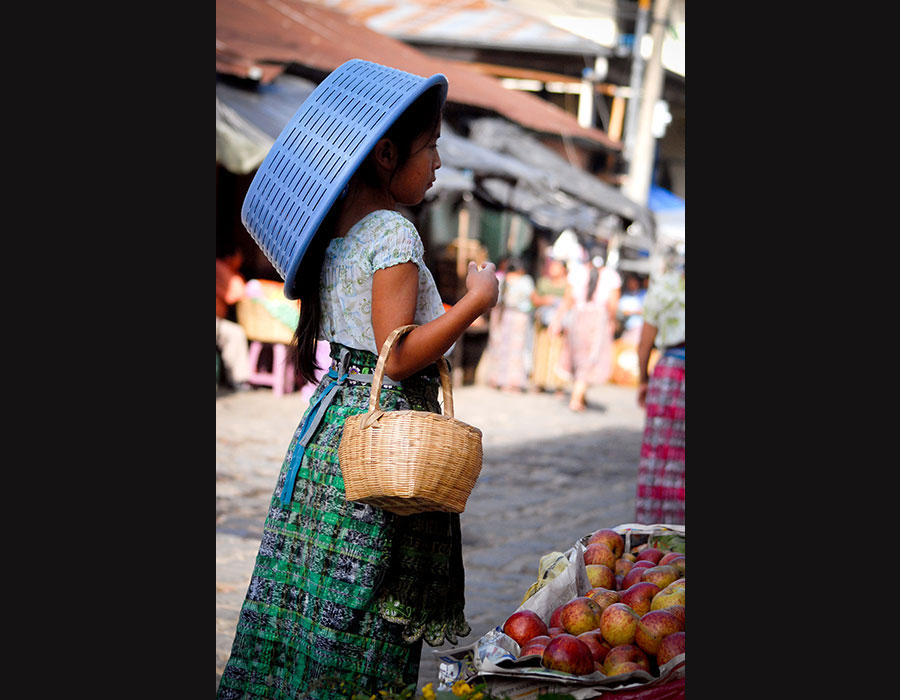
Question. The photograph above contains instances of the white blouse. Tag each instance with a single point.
(381, 239)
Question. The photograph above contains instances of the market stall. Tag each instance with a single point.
(587, 629)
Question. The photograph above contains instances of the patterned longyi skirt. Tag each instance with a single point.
(660, 480)
(343, 592)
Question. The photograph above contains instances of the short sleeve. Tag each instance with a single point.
(396, 241)
(651, 305)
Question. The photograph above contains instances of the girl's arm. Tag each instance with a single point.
(394, 296)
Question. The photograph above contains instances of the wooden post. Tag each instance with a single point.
(462, 243)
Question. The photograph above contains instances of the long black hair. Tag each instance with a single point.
(422, 117)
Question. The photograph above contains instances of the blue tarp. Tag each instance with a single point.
(660, 199)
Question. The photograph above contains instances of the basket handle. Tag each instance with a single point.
(378, 377)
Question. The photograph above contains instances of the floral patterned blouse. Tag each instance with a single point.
(664, 308)
(381, 239)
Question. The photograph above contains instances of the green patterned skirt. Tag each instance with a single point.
(342, 592)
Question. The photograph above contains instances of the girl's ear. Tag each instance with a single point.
(385, 154)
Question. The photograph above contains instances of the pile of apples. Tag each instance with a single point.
(631, 619)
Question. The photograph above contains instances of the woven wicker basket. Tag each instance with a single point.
(409, 461)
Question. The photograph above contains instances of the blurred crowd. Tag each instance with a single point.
(576, 325)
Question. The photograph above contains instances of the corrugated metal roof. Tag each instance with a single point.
(280, 32)
(464, 22)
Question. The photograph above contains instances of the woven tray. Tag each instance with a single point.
(409, 461)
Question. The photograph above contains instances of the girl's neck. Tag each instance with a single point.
(361, 200)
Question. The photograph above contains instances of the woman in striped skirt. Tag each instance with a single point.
(660, 487)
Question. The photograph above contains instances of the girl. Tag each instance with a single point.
(343, 593)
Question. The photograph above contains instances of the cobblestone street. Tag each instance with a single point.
(549, 477)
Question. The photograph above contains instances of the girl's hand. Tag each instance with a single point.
(483, 284)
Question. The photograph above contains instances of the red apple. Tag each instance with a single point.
(621, 668)
(669, 556)
(662, 576)
(623, 566)
(624, 654)
(555, 632)
(604, 597)
(554, 617)
(580, 615)
(670, 647)
(646, 563)
(651, 554)
(631, 578)
(599, 554)
(568, 654)
(535, 646)
(678, 563)
(667, 597)
(598, 646)
(639, 596)
(677, 611)
(653, 627)
(629, 556)
(618, 624)
(523, 626)
(600, 576)
(610, 538)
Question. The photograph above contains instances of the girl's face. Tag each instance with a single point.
(412, 179)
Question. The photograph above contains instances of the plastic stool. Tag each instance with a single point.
(281, 378)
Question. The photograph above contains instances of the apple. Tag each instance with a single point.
(610, 538)
(555, 632)
(632, 577)
(669, 556)
(662, 576)
(600, 576)
(618, 624)
(604, 597)
(599, 554)
(670, 647)
(677, 611)
(674, 559)
(629, 556)
(598, 646)
(667, 597)
(568, 654)
(625, 654)
(535, 646)
(524, 625)
(653, 627)
(554, 620)
(623, 566)
(643, 563)
(580, 615)
(651, 554)
(639, 596)
(623, 667)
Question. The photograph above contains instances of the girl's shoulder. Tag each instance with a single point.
(386, 238)
(384, 220)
